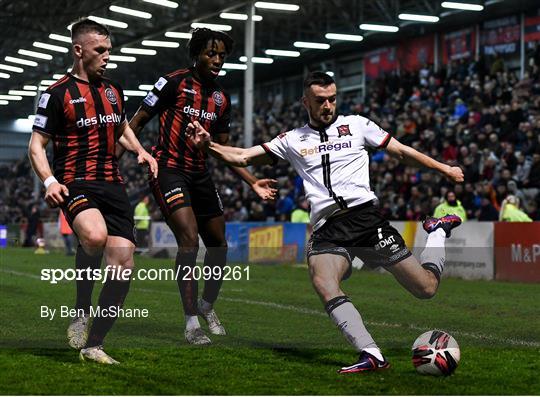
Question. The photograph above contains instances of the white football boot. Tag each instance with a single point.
(96, 353)
(196, 336)
(77, 332)
(211, 318)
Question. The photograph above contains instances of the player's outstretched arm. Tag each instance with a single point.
(414, 158)
(263, 187)
(129, 141)
(56, 192)
(231, 155)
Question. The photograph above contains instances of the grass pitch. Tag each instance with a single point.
(279, 340)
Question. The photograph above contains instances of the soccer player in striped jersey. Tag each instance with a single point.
(83, 115)
(184, 189)
(329, 153)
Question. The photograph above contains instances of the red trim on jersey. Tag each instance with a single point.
(92, 139)
(385, 141)
(177, 72)
(109, 166)
(62, 80)
(71, 145)
(271, 154)
(191, 150)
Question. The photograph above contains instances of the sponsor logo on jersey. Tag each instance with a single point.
(78, 100)
(44, 100)
(201, 113)
(40, 121)
(102, 119)
(343, 130)
(160, 83)
(150, 99)
(325, 147)
(189, 91)
(304, 137)
(109, 93)
(218, 98)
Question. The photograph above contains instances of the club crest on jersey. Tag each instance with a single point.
(218, 98)
(343, 130)
(110, 96)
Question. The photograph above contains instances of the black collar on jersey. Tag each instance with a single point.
(96, 83)
(197, 77)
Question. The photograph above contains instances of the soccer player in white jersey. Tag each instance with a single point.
(329, 153)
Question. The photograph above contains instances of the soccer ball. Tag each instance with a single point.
(435, 353)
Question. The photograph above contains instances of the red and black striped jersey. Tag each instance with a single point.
(82, 120)
(179, 98)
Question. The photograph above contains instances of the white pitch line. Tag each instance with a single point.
(15, 273)
(479, 336)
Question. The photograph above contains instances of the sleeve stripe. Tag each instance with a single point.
(272, 155)
(385, 141)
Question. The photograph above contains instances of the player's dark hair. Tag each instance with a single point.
(317, 78)
(85, 25)
(200, 38)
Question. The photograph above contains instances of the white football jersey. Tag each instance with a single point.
(332, 161)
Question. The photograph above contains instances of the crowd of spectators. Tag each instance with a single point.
(478, 116)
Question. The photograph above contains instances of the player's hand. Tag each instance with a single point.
(199, 136)
(55, 194)
(145, 158)
(264, 189)
(455, 174)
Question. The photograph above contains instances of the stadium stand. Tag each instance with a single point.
(477, 115)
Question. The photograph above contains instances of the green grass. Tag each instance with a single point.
(280, 340)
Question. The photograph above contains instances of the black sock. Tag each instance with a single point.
(215, 257)
(188, 286)
(433, 268)
(113, 294)
(86, 285)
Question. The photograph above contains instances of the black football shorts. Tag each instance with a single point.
(363, 232)
(174, 189)
(110, 198)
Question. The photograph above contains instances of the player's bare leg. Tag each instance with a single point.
(212, 232)
(422, 280)
(184, 226)
(119, 260)
(327, 271)
(91, 231)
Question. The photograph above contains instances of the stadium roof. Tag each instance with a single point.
(28, 24)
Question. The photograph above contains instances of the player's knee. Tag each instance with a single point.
(189, 239)
(94, 239)
(426, 291)
(128, 264)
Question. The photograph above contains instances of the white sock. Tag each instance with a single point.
(348, 320)
(192, 322)
(374, 351)
(434, 253)
(205, 306)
